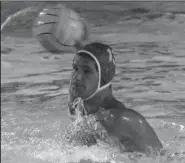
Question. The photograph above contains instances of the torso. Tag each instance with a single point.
(125, 126)
(116, 118)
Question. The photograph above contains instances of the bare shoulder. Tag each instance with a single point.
(131, 118)
(124, 113)
(132, 115)
(131, 125)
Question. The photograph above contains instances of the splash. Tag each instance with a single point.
(84, 131)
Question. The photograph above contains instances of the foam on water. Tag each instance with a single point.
(39, 142)
(149, 79)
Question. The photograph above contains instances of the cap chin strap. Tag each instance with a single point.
(99, 89)
(78, 103)
(99, 74)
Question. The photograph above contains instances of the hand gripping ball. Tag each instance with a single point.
(59, 28)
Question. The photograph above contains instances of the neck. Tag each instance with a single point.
(101, 99)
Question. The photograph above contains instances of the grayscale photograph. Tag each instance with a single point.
(92, 82)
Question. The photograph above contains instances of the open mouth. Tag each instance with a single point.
(72, 111)
(76, 109)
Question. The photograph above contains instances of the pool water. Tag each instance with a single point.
(150, 78)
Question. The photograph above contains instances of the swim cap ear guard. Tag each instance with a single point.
(107, 72)
(103, 56)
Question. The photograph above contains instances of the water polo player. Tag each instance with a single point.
(93, 70)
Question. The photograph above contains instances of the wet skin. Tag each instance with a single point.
(84, 77)
(126, 125)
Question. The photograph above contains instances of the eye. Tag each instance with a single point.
(75, 68)
(86, 71)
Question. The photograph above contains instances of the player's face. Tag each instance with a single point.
(84, 79)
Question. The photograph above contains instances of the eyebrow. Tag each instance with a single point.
(85, 66)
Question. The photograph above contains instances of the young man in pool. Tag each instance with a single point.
(93, 70)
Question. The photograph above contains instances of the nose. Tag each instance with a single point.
(79, 75)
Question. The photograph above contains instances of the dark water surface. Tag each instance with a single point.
(150, 78)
